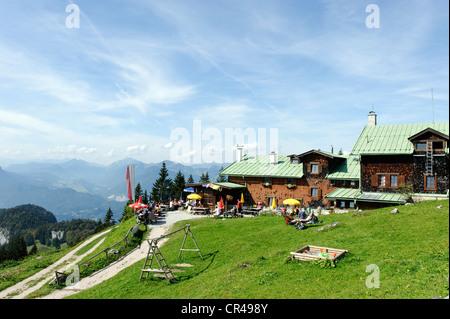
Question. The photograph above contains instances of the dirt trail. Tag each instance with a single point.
(25, 287)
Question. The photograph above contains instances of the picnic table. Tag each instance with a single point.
(199, 210)
(251, 210)
(163, 207)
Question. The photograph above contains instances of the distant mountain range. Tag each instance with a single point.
(79, 189)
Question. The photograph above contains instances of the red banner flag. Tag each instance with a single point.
(130, 195)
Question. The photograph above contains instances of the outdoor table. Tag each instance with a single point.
(164, 207)
(199, 210)
(251, 210)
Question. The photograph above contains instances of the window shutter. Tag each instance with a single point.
(308, 166)
(375, 180)
(401, 180)
(387, 182)
(319, 192)
(320, 168)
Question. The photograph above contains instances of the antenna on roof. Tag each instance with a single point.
(432, 102)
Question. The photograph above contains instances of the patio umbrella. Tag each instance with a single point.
(291, 202)
(242, 198)
(138, 204)
(274, 203)
(194, 196)
(221, 206)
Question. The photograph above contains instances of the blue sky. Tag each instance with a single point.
(137, 71)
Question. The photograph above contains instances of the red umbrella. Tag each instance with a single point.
(221, 206)
(135, 205)
(138, 204)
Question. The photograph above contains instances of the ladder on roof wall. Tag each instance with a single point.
(429, 159)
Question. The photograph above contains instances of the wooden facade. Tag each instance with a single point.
(211, 194)
(384, 173)
(383, 160)
(310, 189)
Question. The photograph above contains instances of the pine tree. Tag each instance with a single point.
(56, 243)
(99, 226)
(17, 248)
(204, 178)
(190, 179)
(108, 221)
(161, 187)
(33, 250)
(178, 185)
(137, 192)
(220, 178)
(145, 198)
(3, 253)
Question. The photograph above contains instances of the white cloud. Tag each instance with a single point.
(28, 123)
(136, 148)
(168, 145)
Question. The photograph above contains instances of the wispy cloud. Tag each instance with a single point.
(131, 74)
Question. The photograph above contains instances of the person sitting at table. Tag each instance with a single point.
(239, 206)
(304, 220)
(217, 212)
(235, 211)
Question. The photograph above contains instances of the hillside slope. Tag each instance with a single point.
(249, 258)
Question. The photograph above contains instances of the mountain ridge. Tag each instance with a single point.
(79, 189)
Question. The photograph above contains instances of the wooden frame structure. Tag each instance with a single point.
(310, 252)
(154, 252)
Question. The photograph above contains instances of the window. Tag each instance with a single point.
(351, 204)
(342, 183)
(430, 183)
(314, 192)
(290, 181)
(394, 181)
(421, 146)
(342, 204)
(352, 183)
(435, 145)
(294, 161)
(208, 196)
(315, 168)
(267, 180)
(438, 146)
(381, 180)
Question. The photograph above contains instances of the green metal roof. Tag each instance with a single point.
(352, 194)
(344, 194)
(259, 166)
(382, 197)
(392, 139)
(230, 185)
(347, 170)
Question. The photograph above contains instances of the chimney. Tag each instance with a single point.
(273, 158)
(372, 119)
(239, 152)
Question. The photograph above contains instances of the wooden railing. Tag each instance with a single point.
(108, 249)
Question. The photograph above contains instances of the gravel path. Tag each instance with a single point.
(25, 287)
(158, 229)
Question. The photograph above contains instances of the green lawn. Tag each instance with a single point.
(250, 258)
